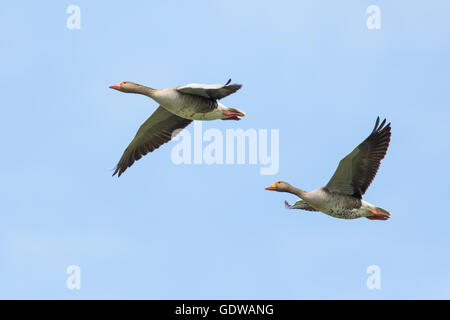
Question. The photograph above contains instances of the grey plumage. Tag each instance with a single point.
(357, 170)
(341, 197)
(179, 106)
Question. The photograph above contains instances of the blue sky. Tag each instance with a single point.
(311, 69)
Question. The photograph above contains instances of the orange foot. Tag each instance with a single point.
(377, 215)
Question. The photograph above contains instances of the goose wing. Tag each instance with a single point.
(210, 91)
(357, 170)
(301, 204)
(153, 133)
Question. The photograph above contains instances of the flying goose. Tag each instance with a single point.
(342, 196)
(179, 105)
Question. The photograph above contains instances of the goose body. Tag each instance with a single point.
(342, 196)
(189, 106)
(337, 205)
(179, 106)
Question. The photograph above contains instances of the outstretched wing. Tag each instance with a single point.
(153, 133)
(357, 170)
(210, 91)
(301, 204)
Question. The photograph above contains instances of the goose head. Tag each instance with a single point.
(131, 87)
(279, 186)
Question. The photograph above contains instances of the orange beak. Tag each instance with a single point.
(272, 187)
(115, 86)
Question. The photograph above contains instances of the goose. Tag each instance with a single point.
(178, 107)
(342, 196)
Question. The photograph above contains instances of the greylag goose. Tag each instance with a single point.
(179, 106)
(342, 196)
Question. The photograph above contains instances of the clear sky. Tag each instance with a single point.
(311, 69)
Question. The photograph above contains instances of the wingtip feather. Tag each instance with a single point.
(286, 205)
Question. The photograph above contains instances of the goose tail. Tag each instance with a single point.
(379, 214)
